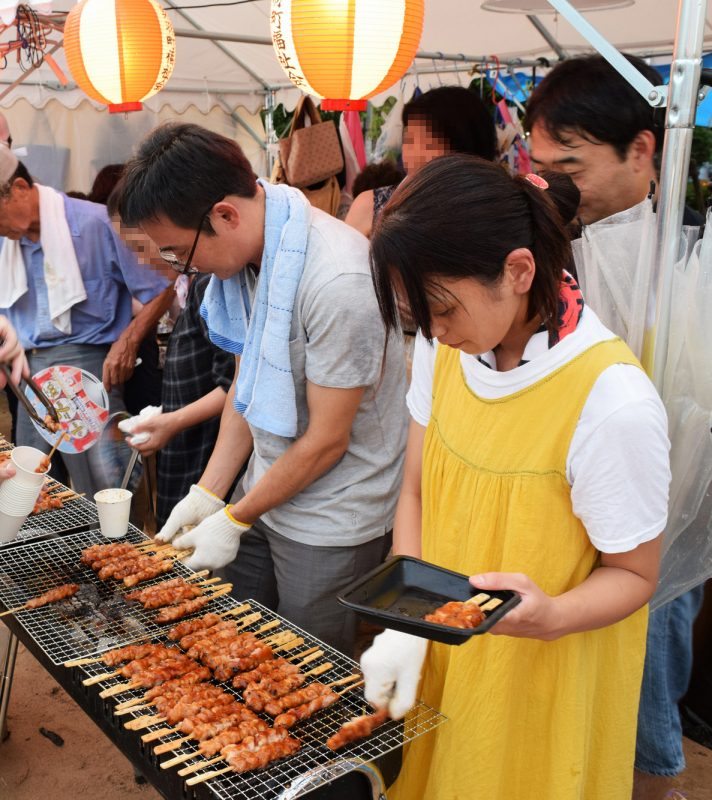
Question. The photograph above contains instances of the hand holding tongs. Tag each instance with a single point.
(17, 391)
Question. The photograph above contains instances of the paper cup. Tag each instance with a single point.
(26, 460)
(114, 506)
(10, 526)
(19, 494)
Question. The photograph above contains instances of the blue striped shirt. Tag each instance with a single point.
(111, 276)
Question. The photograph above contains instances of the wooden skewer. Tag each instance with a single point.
(344, 681)
(105, 676)
(493, 603)
(13, 610)
(206, 762)
(477, 598)
(173, 762)
(207, 777)
(349, 688)
(59, 441)
(72, 496)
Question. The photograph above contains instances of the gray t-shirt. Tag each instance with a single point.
(338, 341)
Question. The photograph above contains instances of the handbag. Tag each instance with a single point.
(310, 153)
(326, 196)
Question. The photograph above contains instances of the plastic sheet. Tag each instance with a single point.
(615, 260)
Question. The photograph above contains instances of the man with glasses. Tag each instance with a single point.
(66, 285)
(318, 403)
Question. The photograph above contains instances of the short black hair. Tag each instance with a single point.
(459, 217)
(588, 97)
(459, 116)
(374, 176)
(180, 172)
(21, 172)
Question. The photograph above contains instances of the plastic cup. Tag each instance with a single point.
(114, 507)
(10, 525)
(19, 494)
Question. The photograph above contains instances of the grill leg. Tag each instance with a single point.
(8, 654)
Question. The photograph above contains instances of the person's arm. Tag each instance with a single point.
(408, 522)
(360, 215)
(163, 427)
(326, 439)
(121, 359)
(12, 353)
(621, 585)
(232, 447)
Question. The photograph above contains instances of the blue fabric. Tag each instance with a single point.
(111, 277)
(264, 394)
(668, 664)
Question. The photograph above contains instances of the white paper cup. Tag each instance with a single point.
(26, 460)
(114, 507)
(10, 526)
(19, 494)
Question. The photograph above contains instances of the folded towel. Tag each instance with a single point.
(128, 425)
(265, 393)
(63, 277)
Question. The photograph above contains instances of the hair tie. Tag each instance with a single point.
(536, 180)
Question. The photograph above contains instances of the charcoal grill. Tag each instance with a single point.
(314, 765)
(75, 628)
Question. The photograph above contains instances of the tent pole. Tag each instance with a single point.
(679, 128)
(27, 73)
(547, 36)
(270, 133)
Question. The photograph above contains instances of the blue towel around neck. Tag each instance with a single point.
(260, 335)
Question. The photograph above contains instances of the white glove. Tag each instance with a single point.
(391, 670)
(128, 425)
(215, 541)
(196, 506)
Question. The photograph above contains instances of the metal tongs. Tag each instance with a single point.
(17, 391)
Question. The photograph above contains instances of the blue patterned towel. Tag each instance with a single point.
(260, 336)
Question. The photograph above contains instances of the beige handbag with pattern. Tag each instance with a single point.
(310, 153)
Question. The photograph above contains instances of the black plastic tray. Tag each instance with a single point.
(399, 593)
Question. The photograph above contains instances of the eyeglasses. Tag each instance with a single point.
(183, 267)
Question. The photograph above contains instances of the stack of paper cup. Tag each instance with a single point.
(114, 507)
(19, 494)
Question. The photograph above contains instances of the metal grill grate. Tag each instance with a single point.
(76, 514)
(95, 619)
(313, 757)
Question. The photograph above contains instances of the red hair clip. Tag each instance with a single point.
(536, 180)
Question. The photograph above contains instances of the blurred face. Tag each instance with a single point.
(420, 145)
(608, 184)
(146, 252)
(475, 318)
(19, 213)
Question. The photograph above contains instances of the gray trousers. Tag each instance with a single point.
(300, 581)
(102, 466)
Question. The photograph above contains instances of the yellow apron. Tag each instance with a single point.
(529, 719)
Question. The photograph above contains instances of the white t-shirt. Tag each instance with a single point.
(618, 463)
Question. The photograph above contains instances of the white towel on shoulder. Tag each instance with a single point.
(63, 277)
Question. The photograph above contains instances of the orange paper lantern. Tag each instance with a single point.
(120, 52)
(346, 50)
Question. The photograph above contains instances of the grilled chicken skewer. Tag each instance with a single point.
(356, 728)
(50, 596)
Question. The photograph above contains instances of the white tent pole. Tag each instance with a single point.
(543, 31)
(679, 128)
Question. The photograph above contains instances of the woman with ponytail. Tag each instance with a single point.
(537, 461)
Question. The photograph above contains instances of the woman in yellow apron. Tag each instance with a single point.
(537, 461)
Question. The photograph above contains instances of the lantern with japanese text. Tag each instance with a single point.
(345, 50)
(120, 52)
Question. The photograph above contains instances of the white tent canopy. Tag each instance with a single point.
(223, 83)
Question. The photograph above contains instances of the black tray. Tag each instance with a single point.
(399, 593)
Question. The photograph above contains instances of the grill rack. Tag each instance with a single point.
(314, 765)
(58, 629)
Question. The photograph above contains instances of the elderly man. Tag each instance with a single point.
(66, 283)
(588, 122)
(318, 402)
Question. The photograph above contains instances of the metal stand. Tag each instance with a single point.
(8, 655)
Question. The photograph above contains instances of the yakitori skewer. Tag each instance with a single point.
(356, 728)
(50, 596)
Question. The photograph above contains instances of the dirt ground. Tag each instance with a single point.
(87, 764)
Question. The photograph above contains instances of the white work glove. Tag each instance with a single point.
(391, 670)
(196, 506)
(215, 541)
